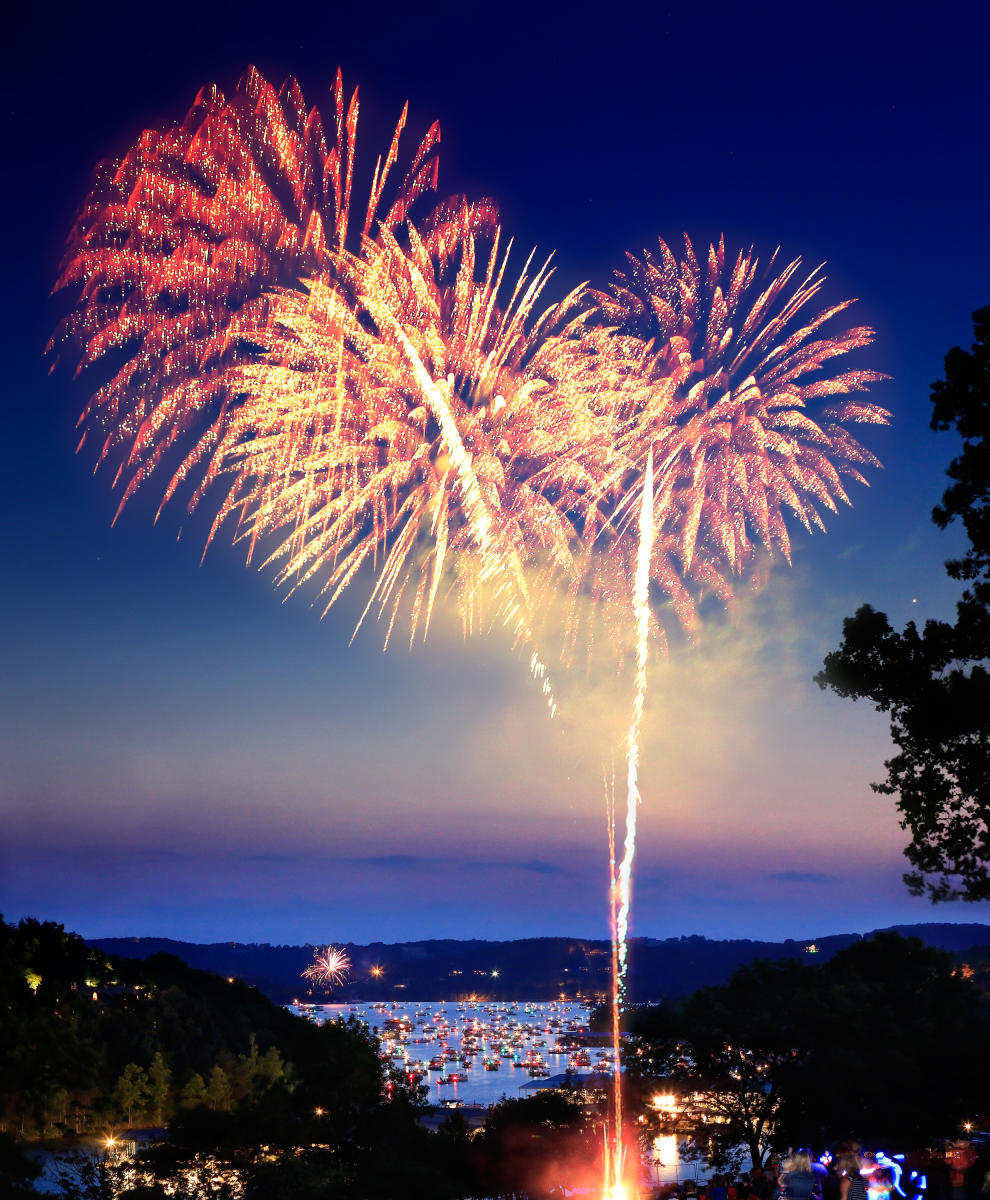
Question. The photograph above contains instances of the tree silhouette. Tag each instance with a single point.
(159, 1083)
(131, 1091)
(194, 1093)
(886, 1041)
(934, 682)
(219, 1093)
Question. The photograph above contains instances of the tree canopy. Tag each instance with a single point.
(885, 1042)
(934, 681)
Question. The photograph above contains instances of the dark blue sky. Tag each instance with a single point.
(183, 754)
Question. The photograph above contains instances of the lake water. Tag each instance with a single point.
(519, 1036)
(523, 1029)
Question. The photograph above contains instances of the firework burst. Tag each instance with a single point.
(727, 381)
(715, 443)
(329, 967)
(722, 372)
(378, 395)
(714, 446)
(381, 390)
(398, 416)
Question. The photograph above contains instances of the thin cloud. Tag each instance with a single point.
(804, 877)
(413, 862)
(535, 866)
(392, 862)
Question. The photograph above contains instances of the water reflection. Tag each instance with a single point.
(476, 1051)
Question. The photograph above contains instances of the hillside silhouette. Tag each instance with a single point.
(527, 968)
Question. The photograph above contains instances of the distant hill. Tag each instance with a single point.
(528, 968)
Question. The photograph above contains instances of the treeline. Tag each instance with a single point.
(528, 968)
(86, 1041)
(886, 1042)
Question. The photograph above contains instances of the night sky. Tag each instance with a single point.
(183, 754)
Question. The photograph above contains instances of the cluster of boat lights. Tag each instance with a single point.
(490, 1035)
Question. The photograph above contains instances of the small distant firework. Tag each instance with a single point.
(329, 968)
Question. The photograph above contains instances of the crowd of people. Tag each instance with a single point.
(849, 1172)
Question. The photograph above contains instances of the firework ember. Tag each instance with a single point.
(714, 444)
(421, 443)
(329, 968)
(181, 246)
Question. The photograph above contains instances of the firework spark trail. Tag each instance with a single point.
(403, 373)
(620, 889)
(641, 606)
(236, 326)
(613, 1163)
(734, 388)
(229, 285)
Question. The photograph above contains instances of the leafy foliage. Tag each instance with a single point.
(87, 1043)
(881, 1042)
(934, 682)
(734, 1051)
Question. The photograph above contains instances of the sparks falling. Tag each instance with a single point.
(612, 1150)
(726, 378)
(329, 967)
